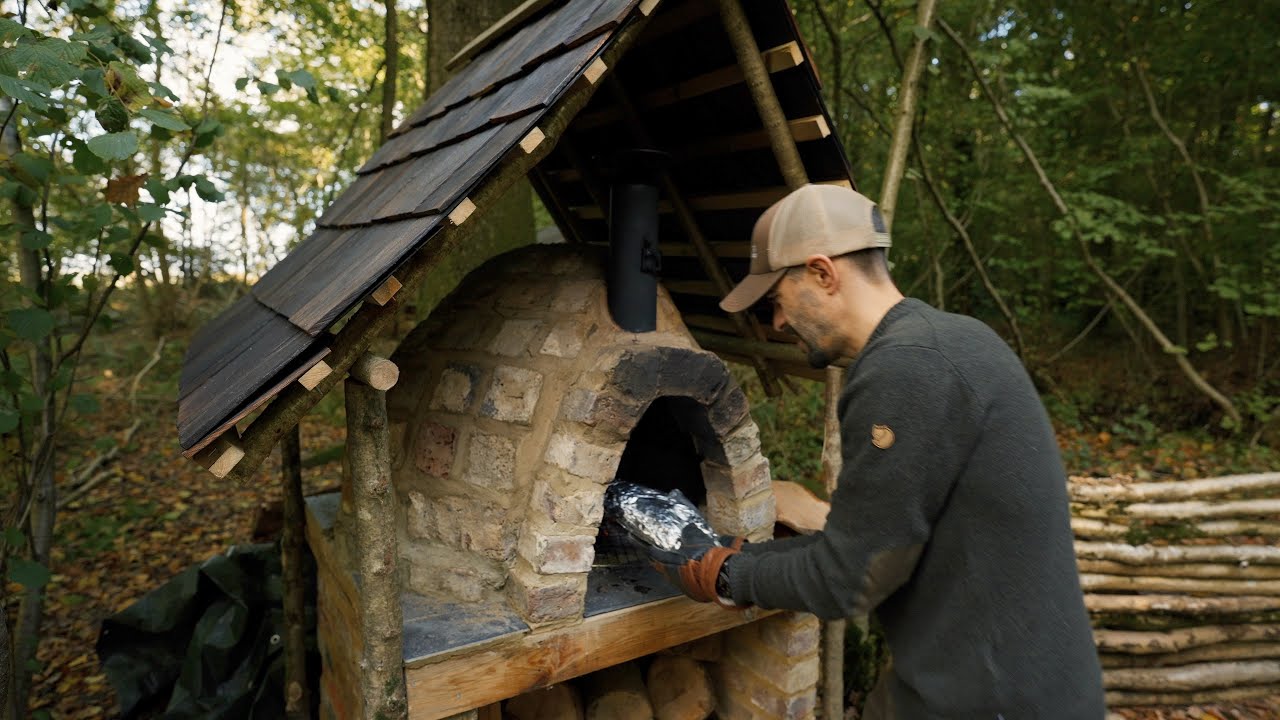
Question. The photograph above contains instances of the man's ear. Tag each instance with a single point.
(823, 271)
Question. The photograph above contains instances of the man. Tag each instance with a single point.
(950, 518)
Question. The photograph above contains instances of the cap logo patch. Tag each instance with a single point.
(882, 436)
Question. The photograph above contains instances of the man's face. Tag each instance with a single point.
(799, 308)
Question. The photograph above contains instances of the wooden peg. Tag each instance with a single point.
(532, 140)
(463, 211)
(377, 372)
(221, 455)
(385, 291)
(312, 377)
(647, 6)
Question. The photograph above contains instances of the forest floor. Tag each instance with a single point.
(157, 513)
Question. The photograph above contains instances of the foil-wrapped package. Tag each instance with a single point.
(656, 518)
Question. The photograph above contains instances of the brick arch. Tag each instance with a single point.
(585, 445)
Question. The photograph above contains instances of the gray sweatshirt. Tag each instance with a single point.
(950, 522)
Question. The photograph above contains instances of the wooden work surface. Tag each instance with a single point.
(462, 681)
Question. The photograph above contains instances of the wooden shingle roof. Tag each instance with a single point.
(672, 83)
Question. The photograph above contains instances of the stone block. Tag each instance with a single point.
(691, 373)
(582, 458)
(550, 554)
(523, 295)
(456, 388)
(491, 462)
(569, 501)
(768, 700)
(741, 444)
(739, 481)
(433, 452)
(727, 411)
(513, 395)
(464, 523)
(464, 333)
(791, 675)
(566, 338)
(544, 598)
(791, 634)
(578, 405)
(515, 338)
(576, 295)
(752, 516)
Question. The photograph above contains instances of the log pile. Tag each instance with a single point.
(1182, 582)
(672, 685)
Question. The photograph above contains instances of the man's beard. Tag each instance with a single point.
(817, 357)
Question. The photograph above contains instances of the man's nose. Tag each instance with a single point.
(779, 319)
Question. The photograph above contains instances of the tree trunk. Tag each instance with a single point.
(680, 689)
(382, 663)
(391, 51)
(43, 499)
(508, 224)
(903, 126)
(292, 555)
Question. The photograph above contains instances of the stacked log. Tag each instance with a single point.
(1182, 582)
(673, 685)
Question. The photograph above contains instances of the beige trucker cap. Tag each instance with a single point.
(826, 220)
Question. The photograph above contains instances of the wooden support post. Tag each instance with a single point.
(382, 684)
(761, 87)
(297, 701)
(833, 631)
(222, 455)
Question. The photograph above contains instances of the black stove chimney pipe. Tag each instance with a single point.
(634, 260)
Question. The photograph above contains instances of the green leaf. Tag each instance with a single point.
(30, 403)
(207, 190)
(30, 323)
(115, 146)
(12, 30)
(85, 161)
(149, 212)
(28, 573)
(163, 119)
(36, 240)
(112, 115)
(98, 216)
(160, 46)
(242, 83)
(52, 61)
(14, 538)
(301, 78)
(35, 166)
(122, 263)
(99, 33)
(267, 88)
(159, 190)
(134, 48)
(9, 419)
(85, 404)
(22, 91)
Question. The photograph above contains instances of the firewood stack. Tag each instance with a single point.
(1182, 581)
(672, 685)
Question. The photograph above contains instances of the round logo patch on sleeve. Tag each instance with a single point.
(882, 436)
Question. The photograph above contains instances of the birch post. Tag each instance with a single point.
(906, 115)
(793, 172)
(297, 701)
(382, 663)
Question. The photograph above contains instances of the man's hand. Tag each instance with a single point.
(694, 567)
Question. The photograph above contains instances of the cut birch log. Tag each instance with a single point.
(1097, 529)
(1169, 641)
(1266, 508)
(1188, 678)
(1145, 554)
(1118, 698)
(1142, 583)
(1218, 571)
(680, 689)
(616, 693)
(1182, 604)
(1175, 490)
(1209, 653)
(377, 372)
(558, 702)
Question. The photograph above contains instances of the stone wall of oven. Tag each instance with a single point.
(516, 400)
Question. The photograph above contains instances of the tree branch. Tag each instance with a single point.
(1179, 354)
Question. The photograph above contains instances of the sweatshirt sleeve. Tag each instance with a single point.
(908, 426)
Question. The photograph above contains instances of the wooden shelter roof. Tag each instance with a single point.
(526, 103)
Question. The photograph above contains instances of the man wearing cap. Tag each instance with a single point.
(950, 517)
